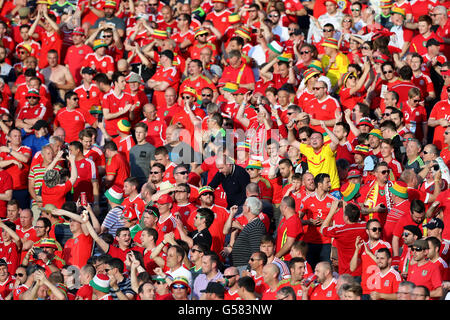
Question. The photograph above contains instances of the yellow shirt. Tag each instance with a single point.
(337, 69)
(322, 162)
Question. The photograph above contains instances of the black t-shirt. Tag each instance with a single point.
(203, 237)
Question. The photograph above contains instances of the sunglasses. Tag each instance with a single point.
(347, 20)
(416, 249)
(318, 88)
(290, 113)
(374, 229)
(186, 97)
(75, 99)
(18, 274)
(32, 97)
(355, 9)
(304, 139)
(384, 172)
(446, 132)
(107, 36)
(406, 234)
(229, 277)
(207, 95)
(385, 114)
(388, 71)
(6, 120)
(425, 152)
(448, 89)
(253, 259)
(327, 30)
(416, 100)
(250, 169)
(183, 172)
(179, 286)
(273, 16)
(305, 52)
(155, 172)
(21, 52)
(366, 48)
(107, 270)
(153, 4)
(196, 250)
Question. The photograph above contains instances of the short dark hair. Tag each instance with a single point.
(151, 232)
(208, 214)
(405, 72)
(388, 124)
(110, 145)
(386, 251)
(320, 178)
(293, 261)
(77, 145)
(247, 283)
(352, 212)
(417, 206)
(180, 251)
(116, 263)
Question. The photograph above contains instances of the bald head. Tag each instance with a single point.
(122, 65)
(270, 273)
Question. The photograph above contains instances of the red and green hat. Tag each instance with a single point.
(115, 194)
(331, 43)
(254, 164)
(100, 282)
(346, 75)
(200, 31)
(124, 126)
(316, 64)
(309, 73)
(376, 133)
(399, 11)
(47, 243)
(400, 189)
(381, 58)
(276, 46)
(362, 150)
(33, 93)
(349, 190)
(230, 87)
(98, 43)
(190, 91)
(365, 122)
(234, 18)
(160, 34)
(244, 32)
(384, 4)
(205, 189)
(285, 56)
(183, 281)
(110, 4)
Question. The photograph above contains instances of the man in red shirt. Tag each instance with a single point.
(424, 272)
(87, 180)
(53, 189)
(99, 60)
(219, 15)
(289, 229)
(440, 119)
(88, 92)
(72, 118)
(270, 276)
(6, 191)
(238, 71)
(325, 288)
(76, 53)
(117, 167)
(32, 111)
(440, 18)
(117, 105)
(167, 75)
(345, 235)
(156, 133)
(386, 280)
(418, 43)
(15, 160)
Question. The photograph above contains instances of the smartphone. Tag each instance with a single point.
(36, 253)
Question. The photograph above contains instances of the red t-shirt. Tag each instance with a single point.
(118, 167)
(427, 275)
(291, 227)
(441, 110)
(344, 240)
(92, 96)
(87, 171)
(324, 110)
(170, 75)
(6, 183)
(369, 266)
(387, 283)
(115, 104)
(55, 195)
(103, 64)
(73, 121)
(78, 250)
(313, 209)
(320, 292)
(19, 176)
(74, 59)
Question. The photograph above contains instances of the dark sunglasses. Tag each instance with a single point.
(374, 229)
(384, 172)
(206, 95)
(107, 270)
(355, 10)
(21, 52)
(253, 259)
(273, 16)
(153, 4)
(327, 30)
(416, 249)
(416, 100)
(305, 52)
(107, 36)
(186, 97)
(365, 48)
(183, 172)
(385, 114)
(18, 274)
(155, 172)
(75, 99)
(290, 113)
(229, 277)
(388, 71)
(179, 286)
(196, 250)
(304, 139)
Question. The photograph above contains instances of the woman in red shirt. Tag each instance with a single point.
(353, 89)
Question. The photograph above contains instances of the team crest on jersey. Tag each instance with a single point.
(164, 229)
(224, 19)
(421, 82)
(77, 118)
(329, 205)
(424, 273)
(82, 165)
(156, 128)
(80, 51)
(104, 64)
(166, 113)
(329, 294)
(386, 283)
(52, 39)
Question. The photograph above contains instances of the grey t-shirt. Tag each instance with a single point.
(140, 157)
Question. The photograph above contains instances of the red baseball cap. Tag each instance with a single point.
(164, 199)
